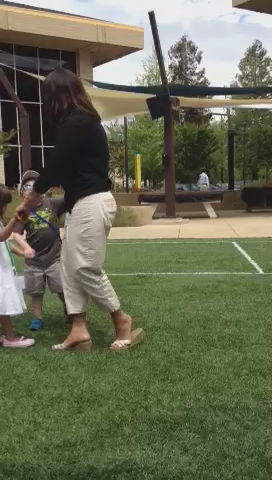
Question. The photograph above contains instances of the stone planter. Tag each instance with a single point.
(134, 216)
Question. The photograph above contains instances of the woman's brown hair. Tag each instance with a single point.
(5, 198)
(63, 93)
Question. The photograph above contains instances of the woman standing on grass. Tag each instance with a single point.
(80, 166)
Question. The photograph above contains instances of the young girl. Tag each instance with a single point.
(11, 295)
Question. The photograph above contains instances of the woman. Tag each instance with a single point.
(80, 165)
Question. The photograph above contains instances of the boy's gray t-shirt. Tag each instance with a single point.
(44, 239)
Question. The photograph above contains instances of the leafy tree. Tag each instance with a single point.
(115, 133)
(220, 155)
(255, 68)
(252, 156)
(195, 149)
(146, 137)
(185, 67)
(151, 71)
(185, 63)
(195, 145)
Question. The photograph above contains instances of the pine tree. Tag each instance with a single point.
(255, 68)
(252, 156)
(185, 63)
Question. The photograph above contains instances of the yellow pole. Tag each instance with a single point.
(138, 178)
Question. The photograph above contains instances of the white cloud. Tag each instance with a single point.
(223, 33)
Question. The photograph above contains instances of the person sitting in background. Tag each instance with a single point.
(203, 181)
(42, 234)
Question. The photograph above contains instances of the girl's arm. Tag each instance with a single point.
(5, 232)
(27, 251)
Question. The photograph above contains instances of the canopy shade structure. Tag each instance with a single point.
(191, 91)
(112, 104)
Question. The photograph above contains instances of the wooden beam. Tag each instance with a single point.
(24, 121)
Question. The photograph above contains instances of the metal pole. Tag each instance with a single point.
(126, 153)
(244, 153)
(169, 165)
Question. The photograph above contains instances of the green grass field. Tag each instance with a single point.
(194, 402)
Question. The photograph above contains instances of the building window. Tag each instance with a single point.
(27, 60)
(68, 61)
(11, 166)
(16, 59)
(49, 60)
(9, 120)
(33, 110)
(6, 58)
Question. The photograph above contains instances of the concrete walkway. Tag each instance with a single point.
(244, 226)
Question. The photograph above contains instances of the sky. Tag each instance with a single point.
(221, 32)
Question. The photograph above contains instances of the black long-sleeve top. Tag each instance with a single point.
(80, 160)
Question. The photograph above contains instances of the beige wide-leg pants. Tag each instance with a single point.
(83, 255)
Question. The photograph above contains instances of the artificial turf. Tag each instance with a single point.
(192, 403)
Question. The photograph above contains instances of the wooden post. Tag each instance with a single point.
(126, 153)
(24, 121)
(231, 136)
(169, 164)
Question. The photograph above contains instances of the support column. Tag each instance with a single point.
(231, 135)
(84, 64)
(2, 166)
(2, 170)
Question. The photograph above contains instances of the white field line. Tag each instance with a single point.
(248, 258)
(161, 274)
(190, 242)
(165, 242)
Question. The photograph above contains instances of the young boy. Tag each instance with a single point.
(42, 235)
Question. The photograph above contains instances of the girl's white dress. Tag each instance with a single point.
(11, 298)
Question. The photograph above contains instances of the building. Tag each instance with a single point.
(261, 6)
(38, 40)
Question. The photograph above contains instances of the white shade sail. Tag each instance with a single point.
(112, 104)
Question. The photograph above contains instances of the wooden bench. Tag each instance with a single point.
(207, 199)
